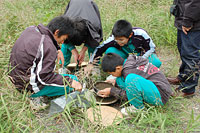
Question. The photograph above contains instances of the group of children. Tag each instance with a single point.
(129, 57)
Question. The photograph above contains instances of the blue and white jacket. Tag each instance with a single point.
(140, 40)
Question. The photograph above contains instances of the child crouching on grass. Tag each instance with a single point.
(140, 81)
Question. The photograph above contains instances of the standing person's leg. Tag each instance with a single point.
(190, 57)
(179, 78)
(182, 67)
(55, 90)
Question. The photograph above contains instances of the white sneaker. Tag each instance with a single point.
(37, 103)
(128, 110)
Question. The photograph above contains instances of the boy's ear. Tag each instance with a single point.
(130, 35)
(56, 33)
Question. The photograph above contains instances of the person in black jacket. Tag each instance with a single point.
(187, 21)
(88, 30)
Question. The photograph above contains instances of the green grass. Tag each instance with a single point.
(16, 115)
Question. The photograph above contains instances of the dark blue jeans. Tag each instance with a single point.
(189, 49)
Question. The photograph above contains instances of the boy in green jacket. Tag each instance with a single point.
(140, 81)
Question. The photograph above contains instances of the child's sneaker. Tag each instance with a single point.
(37, 103)
(128, 110)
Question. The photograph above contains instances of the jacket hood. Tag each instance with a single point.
(134, 61)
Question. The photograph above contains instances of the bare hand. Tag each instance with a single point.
(60, 57)
(185, 29)
(96, 60)
(82, 54)
(75, 54)
(76, 85)
(104, 93)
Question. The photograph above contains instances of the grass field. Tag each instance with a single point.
(16, 115)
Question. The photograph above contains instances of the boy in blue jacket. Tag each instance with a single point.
(127, 40)
(140, 81)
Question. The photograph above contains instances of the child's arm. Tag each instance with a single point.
(151, 45)
(98, 52)
(82, 54)
(75, 54)
(118, 93)
(60, 57)
(148, 40)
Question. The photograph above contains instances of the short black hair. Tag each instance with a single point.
(81, 32)
(122, 28)
(110, 61)
(63, 24)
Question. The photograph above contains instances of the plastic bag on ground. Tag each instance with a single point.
(82, 99)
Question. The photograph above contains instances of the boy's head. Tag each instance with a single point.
(80, 33)
(122, 31)
(112, 63)
(62, 28)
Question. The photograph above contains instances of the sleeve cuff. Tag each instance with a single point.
(118, 93)
(113, 91)
(71, 47)
(187, 23)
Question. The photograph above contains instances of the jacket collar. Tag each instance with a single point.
(44, 30)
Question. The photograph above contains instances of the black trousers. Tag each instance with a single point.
(189, 49)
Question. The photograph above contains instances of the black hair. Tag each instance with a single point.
(122, 28)
(81, 32)
(63, 24)
(110, 61)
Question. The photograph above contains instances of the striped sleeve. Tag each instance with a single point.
(43, 67)
(152, 46)
(98, 52)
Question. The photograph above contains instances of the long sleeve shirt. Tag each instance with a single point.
(140, 43)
